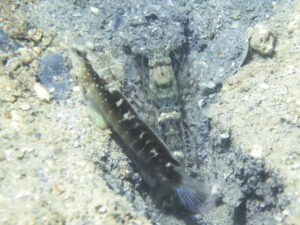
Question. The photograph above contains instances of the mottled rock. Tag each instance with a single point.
(8, 90)
(35, 35)
(262, 40)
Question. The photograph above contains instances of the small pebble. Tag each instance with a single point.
(286, 212)
(37, 50)
(102, 210)
(42, 92)
(94, 10)
(76, 88)
(278, 217)
(208, 88)
(211, 85)
(225, 139)
(256, 151)
(58, 188)
(200, 103)
(76, 144)
(90, 45)
(265, 86)
(25, 106)
(46, 41)
(19, 155)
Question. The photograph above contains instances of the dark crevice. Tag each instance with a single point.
(240, 214)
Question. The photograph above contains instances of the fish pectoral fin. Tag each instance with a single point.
(95, 113)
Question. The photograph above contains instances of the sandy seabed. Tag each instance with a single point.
(48, 172)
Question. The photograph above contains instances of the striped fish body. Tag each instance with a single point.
(145, 148)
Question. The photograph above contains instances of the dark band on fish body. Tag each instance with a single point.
(133, 126)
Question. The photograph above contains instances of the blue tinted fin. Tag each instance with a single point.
(194, 196)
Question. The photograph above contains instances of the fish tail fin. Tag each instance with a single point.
(194, 196)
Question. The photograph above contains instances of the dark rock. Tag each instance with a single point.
(55, 76)
(7, 44)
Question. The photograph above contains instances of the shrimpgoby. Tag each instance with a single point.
(157, 165)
